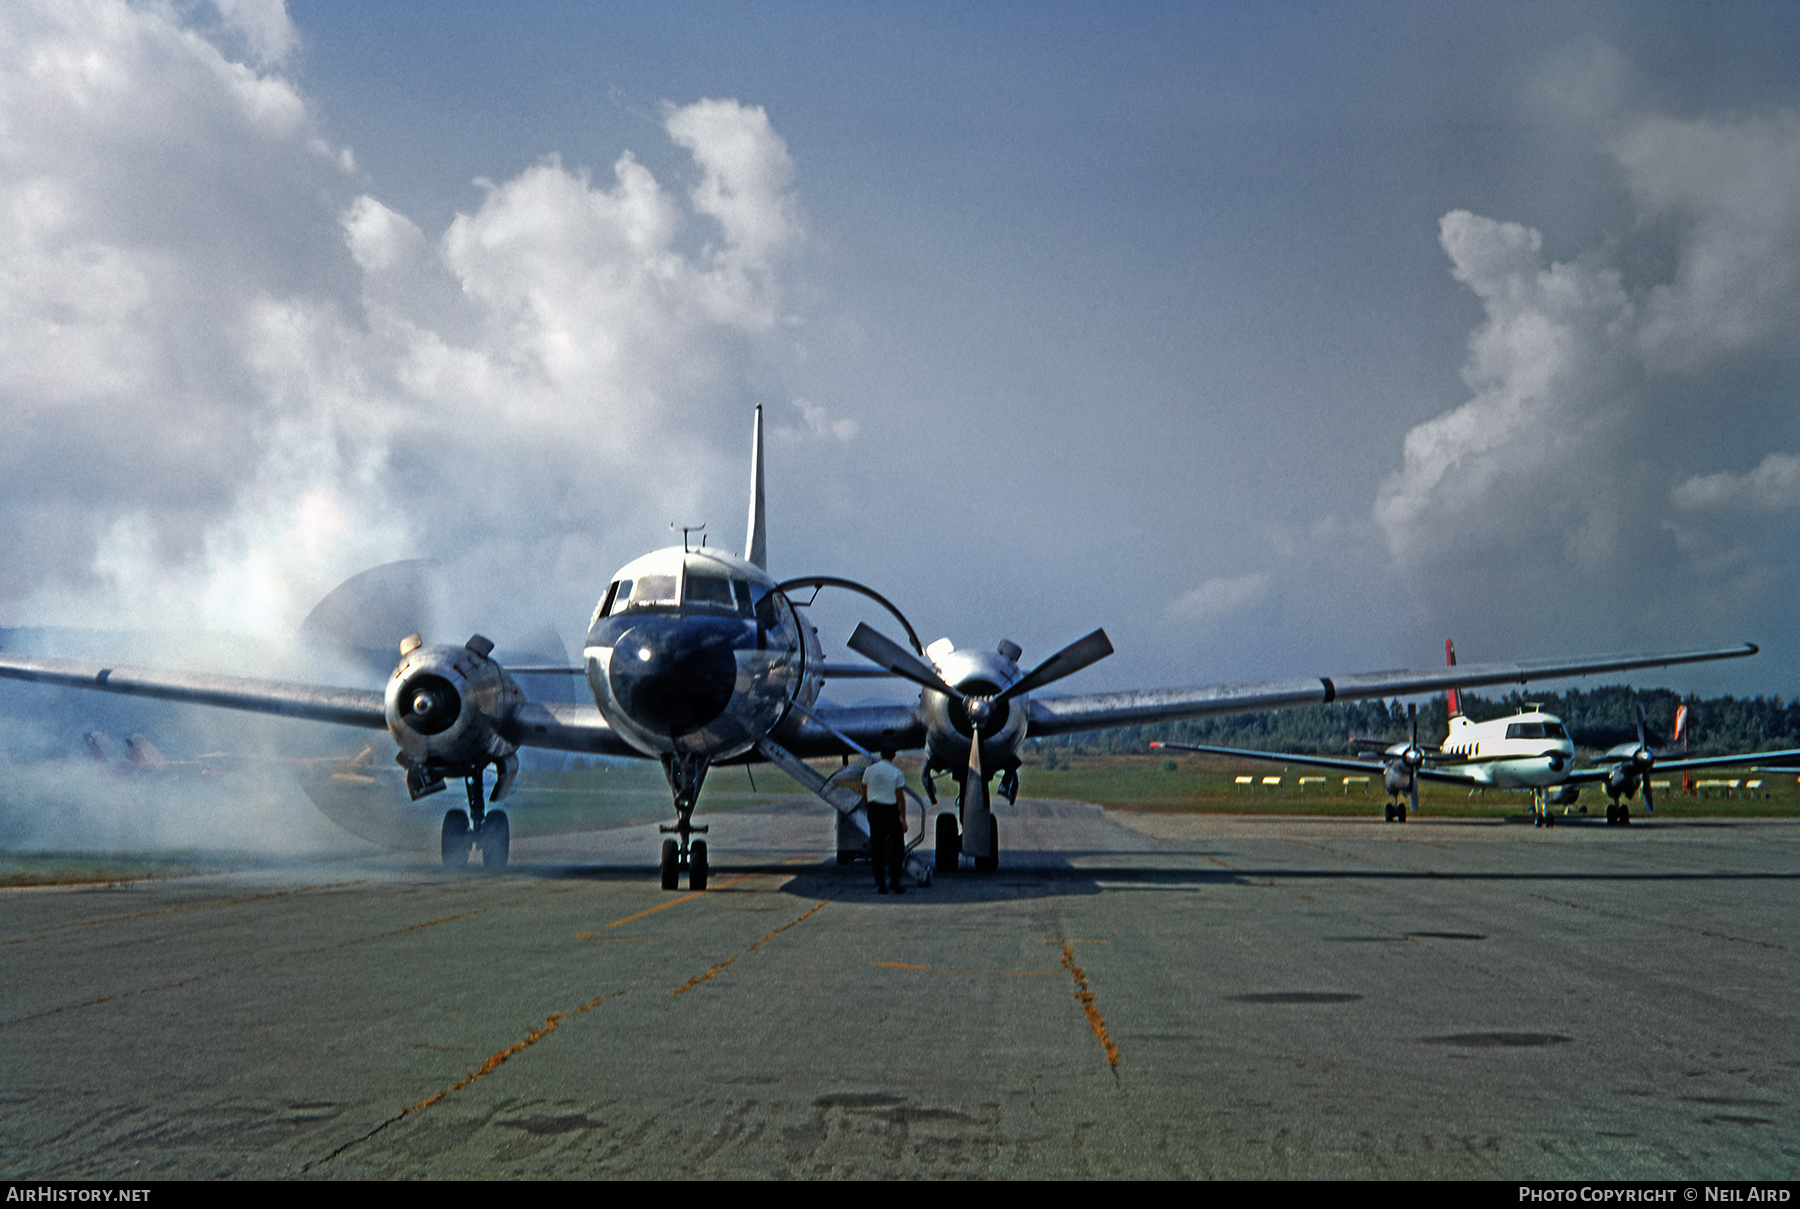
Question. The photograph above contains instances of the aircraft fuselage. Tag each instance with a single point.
(1525, 751)
(696, 652)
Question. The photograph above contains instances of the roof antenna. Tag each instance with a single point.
(687, 529)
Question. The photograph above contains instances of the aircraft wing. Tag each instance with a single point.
(1371, 767)
(1095, 711)
(556, 725)
(316, 703)
(1599, 772)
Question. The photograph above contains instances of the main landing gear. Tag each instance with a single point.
(476, 828)
(1395, 813)
(1618, 812)
(686, 772)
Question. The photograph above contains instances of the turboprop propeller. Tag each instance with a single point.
(1403, 764)
(1631, 770)
(985, 711)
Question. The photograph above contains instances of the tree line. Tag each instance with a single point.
(1597, 719)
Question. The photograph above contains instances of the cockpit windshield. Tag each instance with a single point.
(1536, 730)
(716, 591)
(648, 590)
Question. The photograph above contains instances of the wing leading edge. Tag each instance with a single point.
(1095, 711)
(554, 725)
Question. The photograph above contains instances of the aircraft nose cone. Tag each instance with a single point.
(673, 678)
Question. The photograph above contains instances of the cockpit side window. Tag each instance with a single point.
(742, 590)
(1554, 730)
(618, 598)
(1532, 730)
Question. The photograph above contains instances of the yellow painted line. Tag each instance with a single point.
(221, 902)
(673, 902)
(446, 919)
(697, 979)
(1086, 998)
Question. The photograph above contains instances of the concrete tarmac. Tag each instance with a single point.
(1130, 995)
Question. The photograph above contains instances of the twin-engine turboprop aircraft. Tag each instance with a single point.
(697, 657)
(1530, 750)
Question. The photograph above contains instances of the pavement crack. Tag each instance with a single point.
(1085, 997)
(754, 945)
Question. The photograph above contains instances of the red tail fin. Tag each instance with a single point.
(1450, 697)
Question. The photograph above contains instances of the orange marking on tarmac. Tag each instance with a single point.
(432, 922)
(673, 902)
(697, 979)
(1086, 998)
(493, 1063)
(223, 902)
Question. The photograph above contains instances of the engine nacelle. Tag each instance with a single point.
(445, 706)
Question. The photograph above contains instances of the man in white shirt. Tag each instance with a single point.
(884, 788)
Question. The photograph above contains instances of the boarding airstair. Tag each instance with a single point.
(842, 791)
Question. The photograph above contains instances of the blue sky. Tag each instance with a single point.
(1277, 339)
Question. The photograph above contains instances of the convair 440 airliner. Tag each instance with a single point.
(695, 658)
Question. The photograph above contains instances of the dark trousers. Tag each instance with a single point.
(886, 842)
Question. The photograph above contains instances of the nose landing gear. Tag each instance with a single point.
(686, 772)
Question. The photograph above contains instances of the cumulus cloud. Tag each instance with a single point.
(229, 380)
(264, 25)
(1222, 596)
(1773, 486)
(1585, 379)
(816, 421)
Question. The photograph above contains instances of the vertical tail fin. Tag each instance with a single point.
(1450, 698)
(756, 549)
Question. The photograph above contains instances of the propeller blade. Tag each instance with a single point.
(1649, 798)
(1066, 662)
(1642, 742)
(873, 645)
(1415, 793)
(975, 799)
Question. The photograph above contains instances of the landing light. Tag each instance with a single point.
(644, 653)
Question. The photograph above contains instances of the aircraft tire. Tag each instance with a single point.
(495, 841)
(991, 862)
(697, 870)
(1387, 813)
(949, 843)
(456, 839)
(671, 865)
